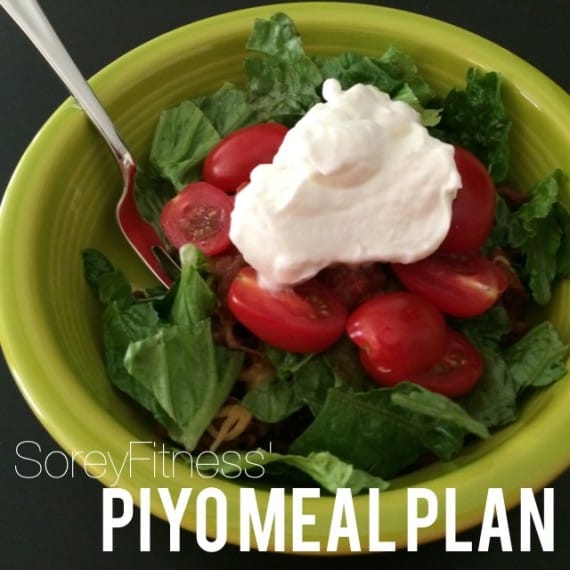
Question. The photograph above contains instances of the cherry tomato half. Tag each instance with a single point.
(230, 162)
(308, 318)
(199, 214)
(457, 372)
(473, 209)
(399, 334)
(459, 285)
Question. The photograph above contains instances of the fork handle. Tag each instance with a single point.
(35, 25)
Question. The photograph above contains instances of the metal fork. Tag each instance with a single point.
(142, 237)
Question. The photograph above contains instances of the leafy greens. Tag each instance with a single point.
(476, 119)
(539, 230)
(283, 83)
(536, 360)
(159, 349)
(168, 363)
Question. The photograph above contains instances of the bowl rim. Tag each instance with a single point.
(63, 426)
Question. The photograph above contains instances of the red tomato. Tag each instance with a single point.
(457, 372)
(459, 285)
(230, 162)
(308, 318)
(473, 210)
(199, 214)
(399, 334)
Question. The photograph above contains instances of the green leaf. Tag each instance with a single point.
(375, 432)
(527, 220)
(344, 362)
(182, 139)
(194, 300)
(540, 231)
(121, 327)
(109, 283)
(227, 109)
(300, 379)
(493, 400)
(286, 363)
(173, 370)
(394, 73)
(540, 261)
(151, 193)
(535, 231)
(312, 383)
(501, 228)
(401, 66)
(488, 329)
(416, 399)
(477, 120)
(328, 471)
(537, 359)
(429, 117)
(188, 376)
(351, 68)
(563, 255)
(305, 379)
(277, 37)
(281, 92)
(283, 80)
(272, 401)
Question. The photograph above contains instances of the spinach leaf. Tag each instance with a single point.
(392, 427)
(393, 73)
(272, 401)
(109, 283)
(193, 300)
(161, 352)
(429, 117)
(537, 359)
(328, 471)
(493, 401)
(182, 140)
(277, 399)
(351, 68)
(189, 377)
(151, 192)
(312, 383)
(562, 217)
(227, 109)
(499, 236)
(186, 375)
(286, 363)
(539, 231)
(477, 120)
(535, 231)
(488, 329)
(401, 66)
(305, 379)
(416, 399)
(121, 327)
(282, 79)
(540, 262)
(344, 362)
(526, 221)
(276, 37)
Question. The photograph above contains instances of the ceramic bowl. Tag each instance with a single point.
(61, 200)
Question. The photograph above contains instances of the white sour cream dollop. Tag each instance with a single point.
(358, 179)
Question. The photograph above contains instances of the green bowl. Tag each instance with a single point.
(61, 200)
